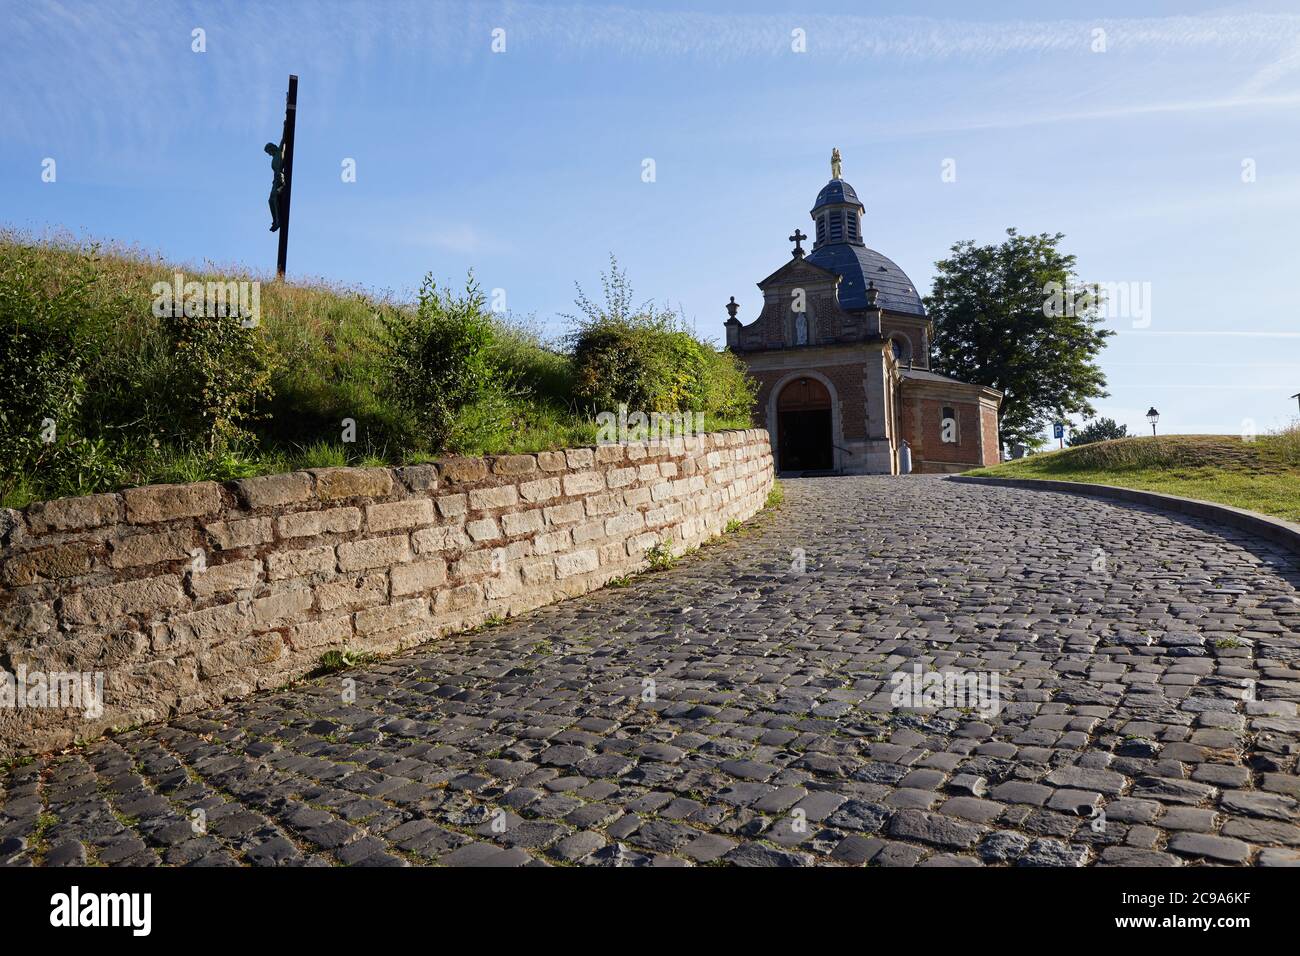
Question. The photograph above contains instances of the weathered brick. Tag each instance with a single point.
(604, 504)
(551, 461)
(288, 604)
(419, 576)
(155, 503)
(552, 542)
(501, 586)
(102, 605)
(453, 506)
(542, 489)
(567, 565)
(625, 523)
(231, 576)
(60, 561)
(239, 533)
(538, 572)
(240, 655)
(335, 483)
(503, 496)
(222, 622)
(461, 598)
(26, 620)
(354, 591)
(274, 491)
(514, 465)
(565, 514)
(579, 457)
(485, 529)
(419, 477)
(311, 523)
(620, 477)
(292, 564)
(309, 634)
(483, 561)
(374, 553)
(522, 522)
(444, 538)
(636, 497)
(463, 470)
(74, 514)
(583, 483)
(399, 514)
(391, 616)
(151, 548)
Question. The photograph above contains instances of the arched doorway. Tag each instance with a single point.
(803, 411)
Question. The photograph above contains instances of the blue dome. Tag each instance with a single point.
(857, 265)
(836, 191)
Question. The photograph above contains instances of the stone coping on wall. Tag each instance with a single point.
(1276, 530)
(185, 596)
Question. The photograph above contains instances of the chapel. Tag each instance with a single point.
(841, 351)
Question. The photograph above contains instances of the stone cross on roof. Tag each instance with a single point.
(797, 238)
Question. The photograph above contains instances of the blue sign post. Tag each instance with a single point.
(1058, 432)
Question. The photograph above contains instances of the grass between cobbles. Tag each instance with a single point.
(1262, 475)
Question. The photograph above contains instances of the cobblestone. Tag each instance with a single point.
(740, 708)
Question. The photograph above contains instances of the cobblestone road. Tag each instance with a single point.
(1127, 644)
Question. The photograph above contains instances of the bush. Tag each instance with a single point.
(221, 371)
(641, 356)
(330, 375)
(439, 361)
(48, 340)
(1103, 429)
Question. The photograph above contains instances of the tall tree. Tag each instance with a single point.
(1014, 317)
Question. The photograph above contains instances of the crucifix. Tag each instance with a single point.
(797, 238)
(282, 176)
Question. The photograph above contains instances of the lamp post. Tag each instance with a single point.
(1153, 416)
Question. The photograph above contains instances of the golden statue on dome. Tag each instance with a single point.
(835, 163)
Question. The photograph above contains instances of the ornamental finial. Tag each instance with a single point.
(835, 163)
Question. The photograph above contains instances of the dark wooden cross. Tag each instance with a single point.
(797, 238)
(286, 193)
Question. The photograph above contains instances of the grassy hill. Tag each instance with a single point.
(103, 388)
(1261, 475)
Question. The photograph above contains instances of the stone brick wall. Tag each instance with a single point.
(184, 596)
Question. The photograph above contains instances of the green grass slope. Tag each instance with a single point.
(1261, 475)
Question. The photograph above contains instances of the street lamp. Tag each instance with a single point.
(1153, 416)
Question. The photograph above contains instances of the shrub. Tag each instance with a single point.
(1103, 429)
(439, 361)
(48, 340)
(221, 371)
(643, 357)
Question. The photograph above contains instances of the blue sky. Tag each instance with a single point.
(527, 165)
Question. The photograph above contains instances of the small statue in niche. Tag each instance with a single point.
(801, 329)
